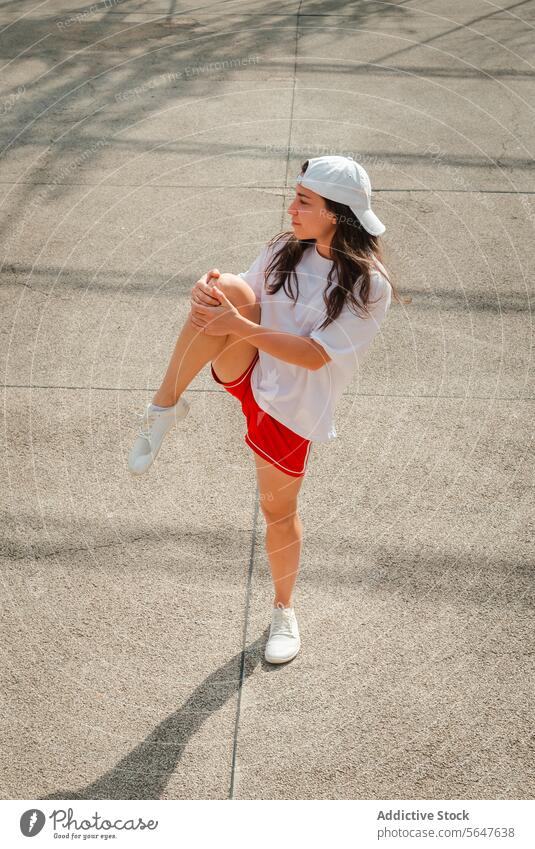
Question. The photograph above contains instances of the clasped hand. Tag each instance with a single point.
(211, 311)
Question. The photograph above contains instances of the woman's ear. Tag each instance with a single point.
(329, 215)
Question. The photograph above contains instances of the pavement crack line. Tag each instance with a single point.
(257, 494)
(241, 681)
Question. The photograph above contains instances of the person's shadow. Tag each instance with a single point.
(144, 772)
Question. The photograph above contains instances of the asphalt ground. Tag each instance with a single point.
(142, 144)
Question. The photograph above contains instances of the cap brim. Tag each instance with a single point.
(371, 223)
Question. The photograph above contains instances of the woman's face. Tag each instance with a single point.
(310, 217)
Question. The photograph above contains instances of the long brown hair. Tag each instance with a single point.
(356, 253)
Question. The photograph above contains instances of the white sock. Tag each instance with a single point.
(156, 407)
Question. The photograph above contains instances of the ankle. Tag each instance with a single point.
(162, 400)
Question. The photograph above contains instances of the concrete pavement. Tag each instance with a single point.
(143, 144)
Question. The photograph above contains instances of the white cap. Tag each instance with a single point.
(341, 178)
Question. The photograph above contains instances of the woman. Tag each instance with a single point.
(286, 354)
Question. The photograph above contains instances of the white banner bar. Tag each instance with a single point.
(509, 824)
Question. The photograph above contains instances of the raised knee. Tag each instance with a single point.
(240, 295)
(236, 289)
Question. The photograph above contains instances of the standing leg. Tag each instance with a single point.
(284, 529)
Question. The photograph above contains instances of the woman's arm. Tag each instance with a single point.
(289, 347)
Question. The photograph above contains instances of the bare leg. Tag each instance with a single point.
(283, 546)
(278, 494)
(192, 351)
(193, 348)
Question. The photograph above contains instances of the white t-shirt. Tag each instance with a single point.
(302, 399)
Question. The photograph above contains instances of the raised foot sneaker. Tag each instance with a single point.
(284, 641)
(154, 425)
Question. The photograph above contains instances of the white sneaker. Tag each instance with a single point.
(154, 426)
(284, 641)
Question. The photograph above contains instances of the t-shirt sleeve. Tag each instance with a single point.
(254, 275)
(347, 339)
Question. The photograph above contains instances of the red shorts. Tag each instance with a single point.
(266, 436)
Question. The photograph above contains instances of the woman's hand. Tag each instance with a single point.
(200, 293)
(216, 320)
